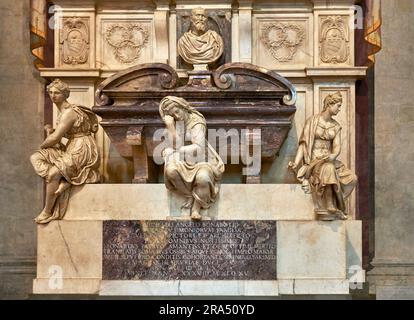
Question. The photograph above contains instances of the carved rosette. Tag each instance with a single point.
(282, 39)
(127, 41)
(74, 41)
(334, 40)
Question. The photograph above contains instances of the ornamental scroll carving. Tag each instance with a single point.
(282, 39)
(74, 41)
(127, 41)
(334, 40)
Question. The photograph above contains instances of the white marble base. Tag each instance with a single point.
(66, 286)
(313, 286)
(304, 266)
(154, 202)
(189, 288)
(313, 257)
(309, 250)
(193, 287)
(224, 288)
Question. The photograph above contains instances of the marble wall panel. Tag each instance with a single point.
(124, 40)
(283, 40)
(74, 39)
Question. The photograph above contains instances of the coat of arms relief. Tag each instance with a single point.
(74, 41)
(334, 40)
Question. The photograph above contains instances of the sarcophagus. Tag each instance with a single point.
(242, 99)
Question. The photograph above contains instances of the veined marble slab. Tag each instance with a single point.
(154, 202)
(187, 250)
(312, 258)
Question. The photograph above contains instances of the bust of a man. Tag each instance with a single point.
(199, 45)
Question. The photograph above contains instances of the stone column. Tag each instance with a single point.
(393, 273)
(235, 39)
(161, 21)
(172, 30)
(245, 31)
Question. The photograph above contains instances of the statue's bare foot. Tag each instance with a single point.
(42, 217)
(342, 216)
(196, 216)
(63, 185)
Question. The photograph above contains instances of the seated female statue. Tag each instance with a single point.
(60, 165)
(321, 173)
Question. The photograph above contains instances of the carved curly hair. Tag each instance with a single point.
(332, 99)
(61, 86)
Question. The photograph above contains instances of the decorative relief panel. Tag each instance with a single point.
(74, 41)
(283, 42)
(124, 40)
(282, 39)
(127, 41)
(334, 39)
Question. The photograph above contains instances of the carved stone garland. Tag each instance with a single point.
(74, 41)
(127, 41)
(334, 40)
(289, 36)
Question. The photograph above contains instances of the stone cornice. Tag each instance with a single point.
(309, 72)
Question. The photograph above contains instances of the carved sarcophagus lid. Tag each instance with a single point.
(235, 96)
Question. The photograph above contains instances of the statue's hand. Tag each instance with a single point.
(48, 177)
(49, 129)
(332, 157)
(169, 120)
(306, 186)
(292, 166)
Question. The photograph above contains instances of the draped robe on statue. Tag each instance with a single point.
(200, 49)
(180, 174)
(316, 142)
(78, 162)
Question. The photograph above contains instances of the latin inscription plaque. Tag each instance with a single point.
(186, 250)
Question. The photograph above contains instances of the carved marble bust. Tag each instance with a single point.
(199, 45)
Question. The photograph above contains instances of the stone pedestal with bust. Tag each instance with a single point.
(200, 47)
